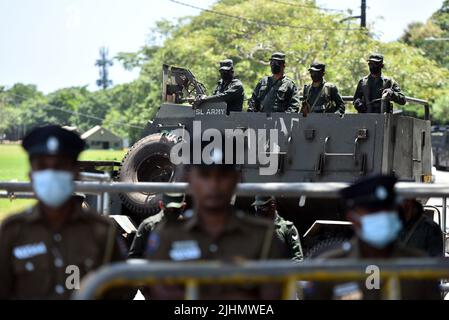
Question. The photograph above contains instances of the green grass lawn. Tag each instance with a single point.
(14, 167)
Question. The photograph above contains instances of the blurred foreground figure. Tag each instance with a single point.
(371, 205)
(46, 250)
(420, 231)
(172, 206)
(286, 231)
(215, 232)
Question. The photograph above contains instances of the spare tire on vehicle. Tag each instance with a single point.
(148, 160)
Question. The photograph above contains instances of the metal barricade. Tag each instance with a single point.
(193, 275)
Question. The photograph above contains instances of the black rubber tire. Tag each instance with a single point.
(324, 245)
(148, 160)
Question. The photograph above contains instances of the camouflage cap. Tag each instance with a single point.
(261, 200)
(173, 200)
(227, 64)
(278, 56)
(317, 66)
(376, 57)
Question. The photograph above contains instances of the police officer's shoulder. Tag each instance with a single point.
(401, 250)
(16, 219)
(95, 219)
(252, 221)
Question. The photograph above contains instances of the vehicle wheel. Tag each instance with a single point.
(324, 245)
(147, 161)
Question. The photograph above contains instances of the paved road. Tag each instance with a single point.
(440, 177)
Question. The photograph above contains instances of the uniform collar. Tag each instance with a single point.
(36, 214)
(381, 77)
(221, 81)
(353, 250)
(321, 84)
(234, 223)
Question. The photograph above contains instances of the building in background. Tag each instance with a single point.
(101, 138)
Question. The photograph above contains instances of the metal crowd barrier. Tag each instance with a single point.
(305, 189)
(193, 275)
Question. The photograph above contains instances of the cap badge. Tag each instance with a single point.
(52, 144)
(381, 193)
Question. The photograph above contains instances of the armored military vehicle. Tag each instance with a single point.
(316, 148)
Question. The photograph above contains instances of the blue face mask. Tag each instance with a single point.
(52, 187)
(380, 228)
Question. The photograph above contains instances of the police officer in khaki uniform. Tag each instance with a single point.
(276, 93)
(44, 251)
(371, 205)
(216, 231)
(265, 207)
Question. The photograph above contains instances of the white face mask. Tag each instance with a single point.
(52, 187)
(380, 228)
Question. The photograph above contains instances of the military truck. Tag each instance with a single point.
(316, 148)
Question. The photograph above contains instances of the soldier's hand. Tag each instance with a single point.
(388, 93)
(358, 104)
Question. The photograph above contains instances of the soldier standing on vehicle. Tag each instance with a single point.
(286, 231)
(321, 96)
(39, 245)
(420, 231)
(172, 206)
(229, 89)
(371, 205)
(276, 93)
(216, 231)
(375, 87)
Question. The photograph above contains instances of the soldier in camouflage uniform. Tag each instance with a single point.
(420, 231)
(276, 93)
(228, 89)
(286, 231)
(321, 96)
(172, 207)
(372, 88)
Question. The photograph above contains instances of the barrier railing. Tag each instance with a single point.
(307, 189)
(412, 100)
(193, 275)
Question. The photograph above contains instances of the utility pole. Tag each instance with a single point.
(104, 63)
(363, 14)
